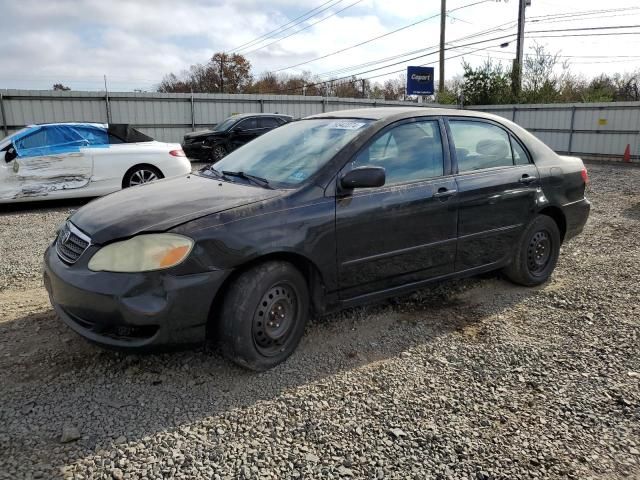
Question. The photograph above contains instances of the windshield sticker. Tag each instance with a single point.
(299, 175)
(346, 125)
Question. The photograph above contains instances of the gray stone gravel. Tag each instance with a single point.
(474, 379)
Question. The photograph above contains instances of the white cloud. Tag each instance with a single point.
(136, 42)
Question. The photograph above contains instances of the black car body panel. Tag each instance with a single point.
(353, 246)
(158, 208)
(198, 145)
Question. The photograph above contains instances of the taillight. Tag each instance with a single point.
(585, 175)
(177, 153)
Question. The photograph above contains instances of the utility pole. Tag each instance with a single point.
(106, 99)
(517, 64)
(221, 73)
(443, 23)
(364, 87)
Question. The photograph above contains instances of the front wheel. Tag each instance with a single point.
(537, 253)
(264, 315)
(218, 152)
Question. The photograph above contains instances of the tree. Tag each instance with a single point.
(540, 82)
(487, 84)
(223, 73)
(451, 93)
(394, 88)
(58, 87)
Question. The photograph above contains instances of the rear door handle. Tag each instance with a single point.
(444, 192)
(526, 178)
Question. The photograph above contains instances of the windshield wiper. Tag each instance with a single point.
(263, 182)
(209, 168)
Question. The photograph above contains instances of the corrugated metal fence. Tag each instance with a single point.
(591, 130)
(600, 130)
(164, 116)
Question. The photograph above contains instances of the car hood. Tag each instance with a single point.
(162, 205)
(201, 133)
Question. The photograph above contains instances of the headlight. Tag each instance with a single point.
(154, 251)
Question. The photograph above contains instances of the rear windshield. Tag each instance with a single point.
(290, 154)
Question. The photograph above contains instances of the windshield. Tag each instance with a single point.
(221, 127)
(290, 154)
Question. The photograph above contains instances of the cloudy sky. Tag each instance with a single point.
(136, 42)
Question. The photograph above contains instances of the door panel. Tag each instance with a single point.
(395, 236)
(43, 175)
(51, 159)
(249, 131)
(497, 199)
(401, 232)
(494, 207)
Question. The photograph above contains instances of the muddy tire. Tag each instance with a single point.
(263, 315)
(537, 253)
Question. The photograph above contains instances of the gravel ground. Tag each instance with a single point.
(474, 379)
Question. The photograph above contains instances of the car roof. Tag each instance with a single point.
(69, 124)
(381, 113)
(245, 115)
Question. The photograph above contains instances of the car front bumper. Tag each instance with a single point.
(197, 150)
(131, 310)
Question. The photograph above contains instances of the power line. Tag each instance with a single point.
(468, 44)
(413, 52)
(540, 18)
(613, 27)
(453, 42)
(279, 29)
(378, 37)
(305, 28)
(403, 61)
(485, 32)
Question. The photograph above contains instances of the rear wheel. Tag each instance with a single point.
(263, 315)
(537, 253)
(140, 175)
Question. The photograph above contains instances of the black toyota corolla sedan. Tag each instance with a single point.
(335, 210)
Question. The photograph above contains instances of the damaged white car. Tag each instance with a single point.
(66, 160)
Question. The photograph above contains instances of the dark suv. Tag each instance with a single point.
(235, 131)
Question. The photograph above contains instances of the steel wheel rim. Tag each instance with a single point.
(539, 252)
(274, 319)
(140, 177)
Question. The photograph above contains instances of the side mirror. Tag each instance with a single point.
(10, 155)
(363, 177)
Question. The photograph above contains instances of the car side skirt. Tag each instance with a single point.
(413, 286)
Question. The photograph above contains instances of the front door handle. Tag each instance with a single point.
(444, 192)
(526, 178)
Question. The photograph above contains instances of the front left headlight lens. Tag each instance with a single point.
(154, 251)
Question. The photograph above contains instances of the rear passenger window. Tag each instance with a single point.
(409, 152)
(480, 145)
(248, 124)
(519, 155)
(268, 122)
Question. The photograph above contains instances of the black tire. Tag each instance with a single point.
(252, 331)
(218, 152)
(537, 253)
(136, 175)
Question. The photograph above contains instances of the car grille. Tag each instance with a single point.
(71, 243)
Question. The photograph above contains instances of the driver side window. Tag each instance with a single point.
(409, 152)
